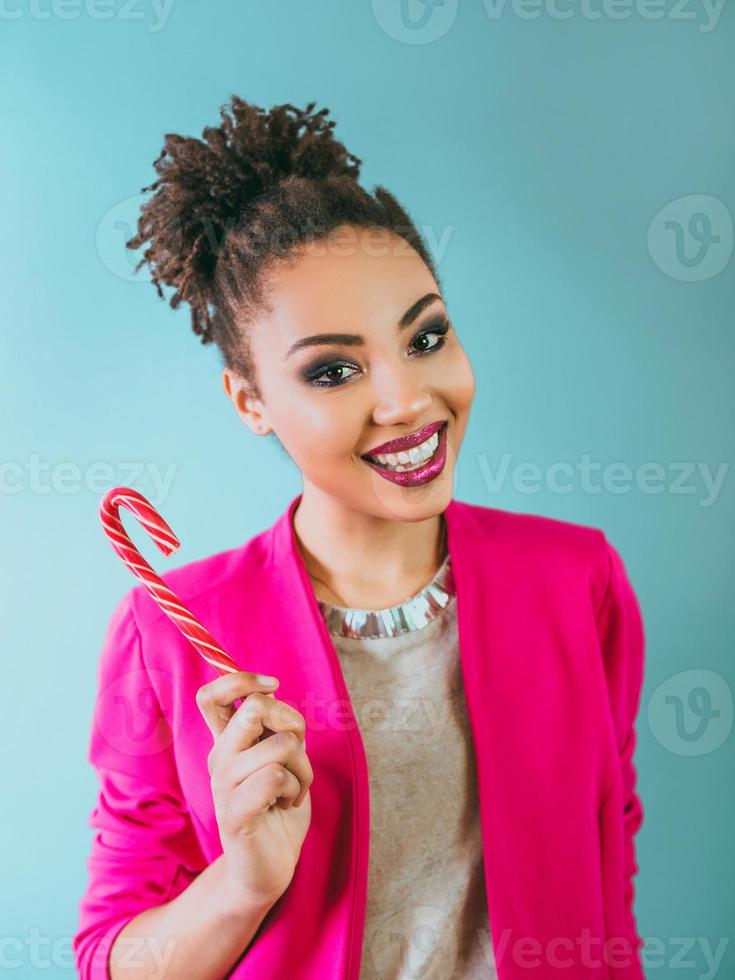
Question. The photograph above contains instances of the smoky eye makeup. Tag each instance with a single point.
(313, 374)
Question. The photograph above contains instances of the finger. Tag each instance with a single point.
(258, 713)
(284, 747)
(215, 698)
(269, 785)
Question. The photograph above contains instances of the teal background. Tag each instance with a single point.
(546, 146)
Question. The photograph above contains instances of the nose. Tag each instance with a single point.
(401, 396)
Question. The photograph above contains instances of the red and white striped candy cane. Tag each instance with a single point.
(168, 543)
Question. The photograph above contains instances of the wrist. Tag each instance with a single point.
(238, 899)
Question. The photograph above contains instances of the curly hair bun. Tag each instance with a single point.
(204, 186)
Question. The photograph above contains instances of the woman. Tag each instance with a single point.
(467, 679)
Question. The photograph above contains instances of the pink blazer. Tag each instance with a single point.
(552, 649)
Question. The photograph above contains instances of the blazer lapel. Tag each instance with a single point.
(318, 922)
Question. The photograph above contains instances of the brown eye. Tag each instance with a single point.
(439, 329)
(314, 377)
(423, 336)
(331, 370)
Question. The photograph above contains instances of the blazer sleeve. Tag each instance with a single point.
(145, 850)
(622, 642)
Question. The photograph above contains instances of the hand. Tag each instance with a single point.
(260, 778)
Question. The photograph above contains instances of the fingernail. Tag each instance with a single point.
(266, 681)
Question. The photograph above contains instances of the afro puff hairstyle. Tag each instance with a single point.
(250, 192)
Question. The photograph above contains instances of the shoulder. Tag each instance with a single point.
(542, 545)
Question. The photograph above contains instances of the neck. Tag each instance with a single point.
(360, 560)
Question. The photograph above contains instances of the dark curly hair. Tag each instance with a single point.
(249, 193)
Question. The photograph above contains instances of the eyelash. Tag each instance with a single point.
(312, 376)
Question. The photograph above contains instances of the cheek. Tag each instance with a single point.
(460, 380)
(301, 427)
(320, 431)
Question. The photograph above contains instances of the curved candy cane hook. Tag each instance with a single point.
(168, 543)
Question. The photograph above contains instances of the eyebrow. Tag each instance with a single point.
(355, 339)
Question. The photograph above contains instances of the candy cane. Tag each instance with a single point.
(168, 543)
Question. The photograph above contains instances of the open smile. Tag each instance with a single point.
(417, 466)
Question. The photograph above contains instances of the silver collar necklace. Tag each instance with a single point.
(412, 614)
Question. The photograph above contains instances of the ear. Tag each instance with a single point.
(250, 409)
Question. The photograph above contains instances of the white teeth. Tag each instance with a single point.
(412, 459)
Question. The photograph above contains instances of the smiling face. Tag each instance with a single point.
(357, 350)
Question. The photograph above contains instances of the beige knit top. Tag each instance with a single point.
(426, 911)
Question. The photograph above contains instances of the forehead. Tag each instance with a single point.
(354, 279)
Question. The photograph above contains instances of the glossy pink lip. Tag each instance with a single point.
(422, 474)
(405, 443)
